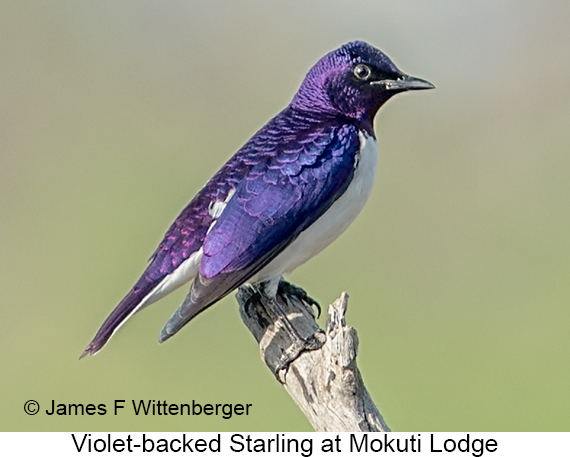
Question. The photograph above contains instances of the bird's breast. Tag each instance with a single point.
(334, 221)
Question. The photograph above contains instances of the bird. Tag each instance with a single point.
(285, 195)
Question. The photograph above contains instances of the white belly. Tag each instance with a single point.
(331, 224)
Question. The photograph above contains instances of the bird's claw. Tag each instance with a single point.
(287, 288)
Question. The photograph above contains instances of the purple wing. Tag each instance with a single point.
(280, 196)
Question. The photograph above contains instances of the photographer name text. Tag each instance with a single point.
(149, 408)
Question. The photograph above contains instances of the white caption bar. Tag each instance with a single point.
(297, 444)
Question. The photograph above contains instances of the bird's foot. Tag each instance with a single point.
(255, 307)
(278, 312)
(287, 288)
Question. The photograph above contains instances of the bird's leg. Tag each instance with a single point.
(255, 296)
(287, 288)
(279, 318)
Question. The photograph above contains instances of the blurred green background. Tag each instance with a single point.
(112, 116)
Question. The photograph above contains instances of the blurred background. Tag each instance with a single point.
(114, 114)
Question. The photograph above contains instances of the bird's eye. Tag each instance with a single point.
(362, 72)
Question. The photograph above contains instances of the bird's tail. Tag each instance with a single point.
(201, 296)
(189, 308)
(149, 288)
(133, 301)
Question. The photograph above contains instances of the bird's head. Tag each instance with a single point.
(353, 80)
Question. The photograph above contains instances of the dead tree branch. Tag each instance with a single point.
(325, 383)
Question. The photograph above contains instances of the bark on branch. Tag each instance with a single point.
(325, 383)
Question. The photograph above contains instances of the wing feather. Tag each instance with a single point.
(265, 215)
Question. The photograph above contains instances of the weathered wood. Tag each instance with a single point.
(325, 382)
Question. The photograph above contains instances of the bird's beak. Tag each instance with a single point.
(404, 83)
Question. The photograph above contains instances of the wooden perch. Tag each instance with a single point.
(325, 382)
